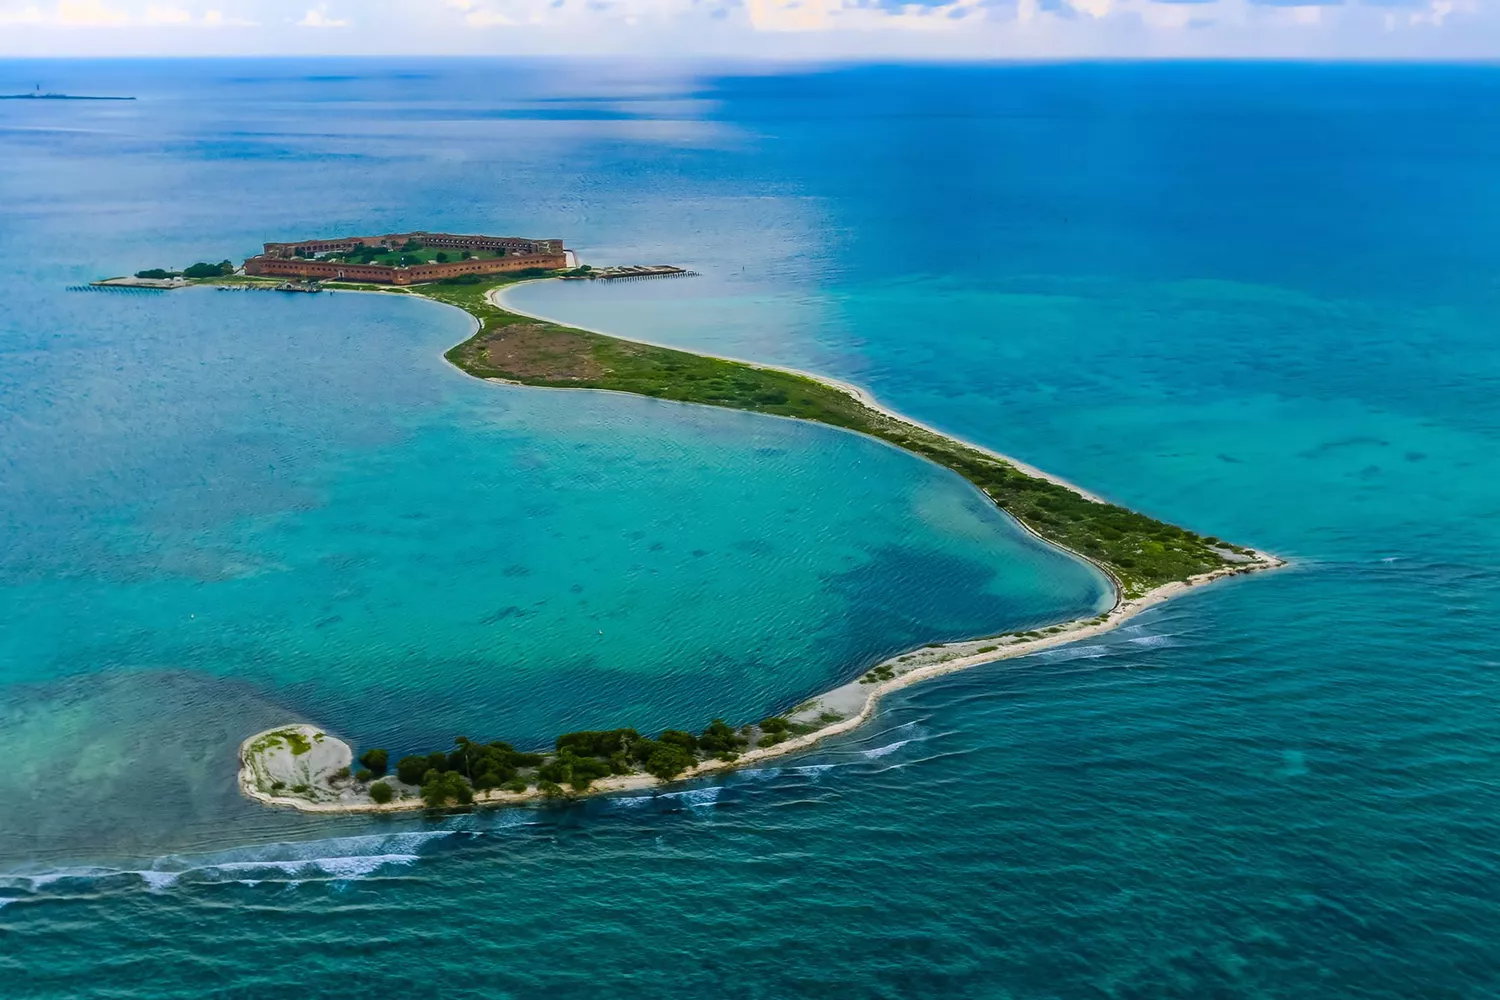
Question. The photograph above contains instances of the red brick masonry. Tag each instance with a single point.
(285, 259)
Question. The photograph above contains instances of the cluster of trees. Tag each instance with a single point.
(774, 730)
(373, 764)
(452, 777)
(202, 269)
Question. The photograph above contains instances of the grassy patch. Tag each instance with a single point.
(1140, 552)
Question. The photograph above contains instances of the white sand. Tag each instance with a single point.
(853, 703)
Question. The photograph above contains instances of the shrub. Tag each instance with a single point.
(409, 770)
(669, 761)
(442, 787)
(721, 740)
(597, 743)
(680, 738)
(440, 257)
(206, 270)
(375, 760)
(156, 272)
(381, 793)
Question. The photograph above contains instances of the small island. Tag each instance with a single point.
(1146, 560)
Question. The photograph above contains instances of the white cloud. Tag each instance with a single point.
(89, 14)
(29, 14)
(809, 29)
(1434, 15)
(168, 15)
(317, 17)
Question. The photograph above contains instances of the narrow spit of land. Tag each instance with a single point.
(1147, 561)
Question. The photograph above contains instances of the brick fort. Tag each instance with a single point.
(405, 258)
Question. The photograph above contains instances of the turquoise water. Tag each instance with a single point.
(1257, 300)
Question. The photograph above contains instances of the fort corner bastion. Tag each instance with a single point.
(405, 258)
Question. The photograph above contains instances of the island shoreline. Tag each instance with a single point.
(934, 660)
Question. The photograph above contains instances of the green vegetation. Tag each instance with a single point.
(295, 740)
(198, 270)
(381, 793)
(443, 788)
(720, 740)
(408, 254)
(1139, 552)
(773, 731)
(375, 760)
(453, 777)
(884, 672)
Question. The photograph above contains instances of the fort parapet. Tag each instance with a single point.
(297, 259)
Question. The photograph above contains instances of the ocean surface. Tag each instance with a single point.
(1256, 300)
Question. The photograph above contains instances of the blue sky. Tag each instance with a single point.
(799, 29)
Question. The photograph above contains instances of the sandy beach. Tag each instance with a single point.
(839, 710)
(853, 702)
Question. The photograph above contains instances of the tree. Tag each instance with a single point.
(680, 738)
(409, 770)
(440, 257)
(376, 760)
(439, 788)
(156, 272)
(597, 743)
(381, 793)
(204, 270)
(669, 761)
(721, 740)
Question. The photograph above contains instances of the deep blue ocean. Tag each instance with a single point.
(1258, 300)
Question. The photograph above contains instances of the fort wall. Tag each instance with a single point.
(443, 241)
(270, 266)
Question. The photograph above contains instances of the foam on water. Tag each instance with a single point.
(338, 858)
(889, 748)
(696, 798)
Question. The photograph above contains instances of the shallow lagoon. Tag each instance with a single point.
(296, 500)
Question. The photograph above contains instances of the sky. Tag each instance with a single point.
(759, 29)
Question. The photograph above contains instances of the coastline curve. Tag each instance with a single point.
(834, 712)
